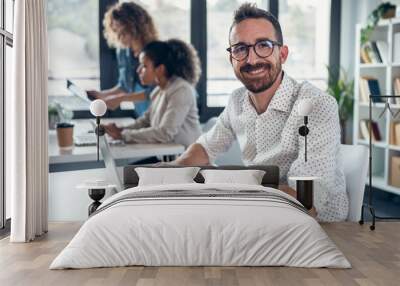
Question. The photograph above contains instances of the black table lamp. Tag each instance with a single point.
(304, 109)
(98, 108)
(304, 184)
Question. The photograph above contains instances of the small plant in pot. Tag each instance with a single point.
(342, 89)
(53, 116)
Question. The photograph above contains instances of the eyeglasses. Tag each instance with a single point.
(262, 48)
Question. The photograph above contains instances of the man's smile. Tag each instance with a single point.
(257, 72)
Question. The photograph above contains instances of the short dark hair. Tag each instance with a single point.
(251, 11)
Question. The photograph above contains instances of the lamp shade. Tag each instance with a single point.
(98, 107)
(305, 107)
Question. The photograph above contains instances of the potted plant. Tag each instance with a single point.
(383, 11)
(53, 116)
(342, 89)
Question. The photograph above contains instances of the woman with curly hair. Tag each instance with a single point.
(174, 67)
(128, 28)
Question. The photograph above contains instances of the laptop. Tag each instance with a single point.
(109, 162)
(76, 101)
(79, 92)
(79, 102)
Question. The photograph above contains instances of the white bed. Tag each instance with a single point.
(206, 230)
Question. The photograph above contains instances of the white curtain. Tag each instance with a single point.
(26, 123)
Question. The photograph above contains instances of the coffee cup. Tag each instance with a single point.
(65, 135)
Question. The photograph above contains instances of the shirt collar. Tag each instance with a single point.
(283, 98)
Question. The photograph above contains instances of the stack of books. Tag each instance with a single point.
(365, 125)
(394, 138)
(369, 85)
(374, 52)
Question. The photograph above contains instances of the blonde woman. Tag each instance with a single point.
(128, 28)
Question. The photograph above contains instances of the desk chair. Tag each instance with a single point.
(354, 159)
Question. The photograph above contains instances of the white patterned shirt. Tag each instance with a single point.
(272, 138)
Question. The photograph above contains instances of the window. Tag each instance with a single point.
(6, 43)
(221, 80)
(306, 29)
(178, 10)
(9, 19)
(73, 36)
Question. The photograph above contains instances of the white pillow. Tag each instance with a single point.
(165, 176)
(248, 177)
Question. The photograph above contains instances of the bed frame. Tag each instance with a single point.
(270, 179)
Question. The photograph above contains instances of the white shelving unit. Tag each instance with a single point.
(382, 151)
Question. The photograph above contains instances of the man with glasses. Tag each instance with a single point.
(263, 115)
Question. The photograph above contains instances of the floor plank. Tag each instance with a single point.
(374, 255)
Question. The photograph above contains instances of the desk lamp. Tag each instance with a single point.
(98, 108)
(304, 109)
(304, 185)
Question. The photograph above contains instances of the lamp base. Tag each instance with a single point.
(305, 192)
(96, 195)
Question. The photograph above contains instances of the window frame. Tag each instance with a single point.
(6, 39)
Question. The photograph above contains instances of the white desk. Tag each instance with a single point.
(89, 153)
(70, 168)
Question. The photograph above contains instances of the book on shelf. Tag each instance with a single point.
(394, 176)
(383, 50)
(374, 52)
(396, 90)
(365, 126)
(396, 47)
(367, 86)
(365, 59)
(394, 136)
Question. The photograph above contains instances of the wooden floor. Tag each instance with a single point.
(375, 257)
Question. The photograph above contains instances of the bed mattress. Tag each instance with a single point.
(201, 225)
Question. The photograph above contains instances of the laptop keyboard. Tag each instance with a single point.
(70, 102)
(86, 139)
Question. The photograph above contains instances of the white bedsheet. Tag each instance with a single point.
(206, 231)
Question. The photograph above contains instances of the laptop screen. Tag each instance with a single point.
(109, 162)
(76, 90)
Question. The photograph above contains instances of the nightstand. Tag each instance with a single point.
(96, 190)
(305, 190)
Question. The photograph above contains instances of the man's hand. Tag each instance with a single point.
(195, 155)
(113, 130)
(113, 101)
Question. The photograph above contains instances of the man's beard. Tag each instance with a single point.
(257, 85)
